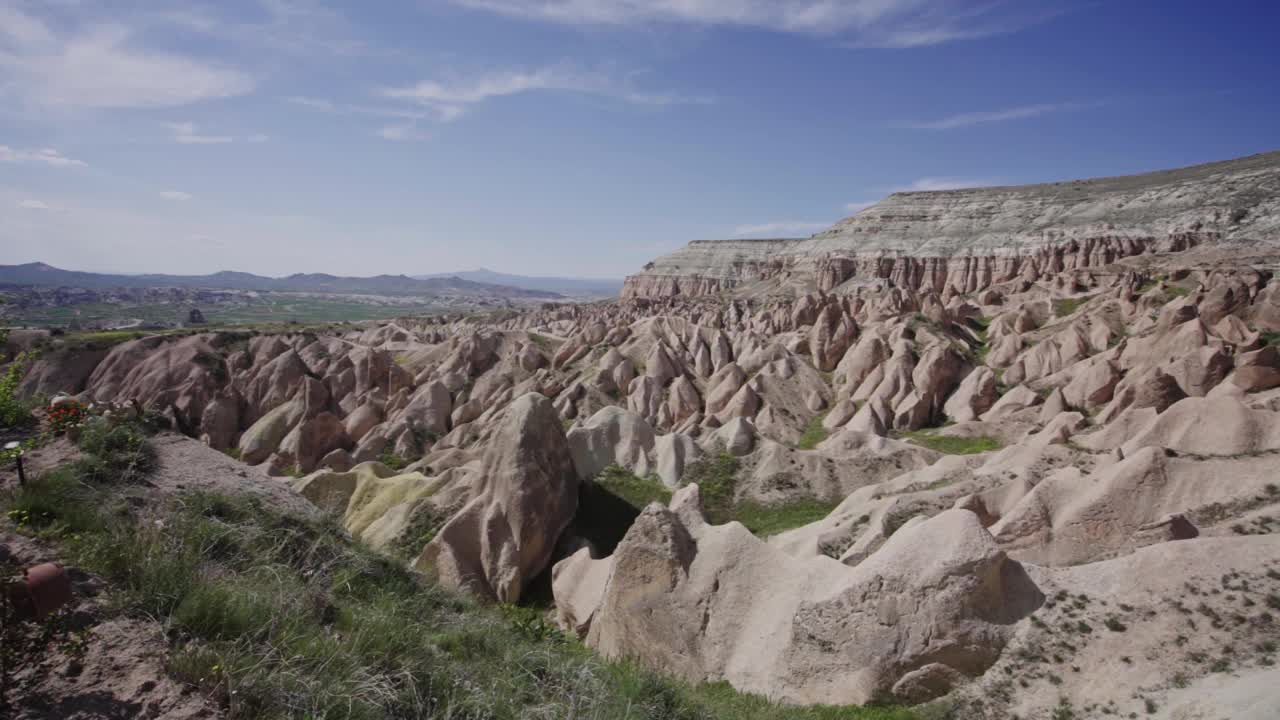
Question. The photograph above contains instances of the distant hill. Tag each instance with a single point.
(42, 275)
(577, 287)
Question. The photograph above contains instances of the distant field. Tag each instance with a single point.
(303, 310)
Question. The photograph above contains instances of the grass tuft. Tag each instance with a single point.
(1066, 306)
(814, 433)
(766, 520)
(636, 491)
(951, 445)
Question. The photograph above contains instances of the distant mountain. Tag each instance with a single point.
(42, 275)
(579, 287)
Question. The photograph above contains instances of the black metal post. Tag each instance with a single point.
(22, 476)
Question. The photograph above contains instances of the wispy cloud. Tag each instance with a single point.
(175, 195)
(970, 119)
(450, 99)
(785, 228)
(405, 128)
(862, 23)
(42, 156)
(329, 106)
(934, 184)
(102, 65)
(34, 205)
(402, 133)
(187, 133)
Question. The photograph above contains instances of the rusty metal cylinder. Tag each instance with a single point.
(44, 589)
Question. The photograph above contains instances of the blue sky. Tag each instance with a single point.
(577, 137)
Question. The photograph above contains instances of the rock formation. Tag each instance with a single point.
(525, 498)
(991, 404)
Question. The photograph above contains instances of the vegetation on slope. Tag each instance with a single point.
(1065, 306)
(637, 491)
(814, 433)
(951, 445)
(280, 616)
(716, 476)
(13, 412)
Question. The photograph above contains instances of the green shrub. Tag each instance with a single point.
(114, 451)
(393, 461)
(13, 412)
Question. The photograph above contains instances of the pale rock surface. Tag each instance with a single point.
(527, 495)
(612, 436)
(819, 630)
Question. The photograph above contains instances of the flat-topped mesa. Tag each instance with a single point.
(708, 267)
(967, 240)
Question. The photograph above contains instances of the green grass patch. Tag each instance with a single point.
(545, 343)
(950, 445)
(1271, 337)
(716, 476)
(766, 520)
(392, 461)
(637, 491)
(1066, 306)
(103, 340)
(274, 615)
(814, 433)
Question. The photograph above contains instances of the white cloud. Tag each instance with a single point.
(788, 228)
(864, 23)
(188, 133)
(257, 138)
(175, 195)
(994, 116)
(401, 133)
(933, 184)
(42, 156)
(857, 207)
(34, 205)
(102, 66)
(329, 106)
(313, 103)
(449, 100)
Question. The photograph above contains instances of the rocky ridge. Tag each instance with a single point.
(963, 241)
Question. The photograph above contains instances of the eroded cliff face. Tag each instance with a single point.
(708, 267)
(964, 241)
